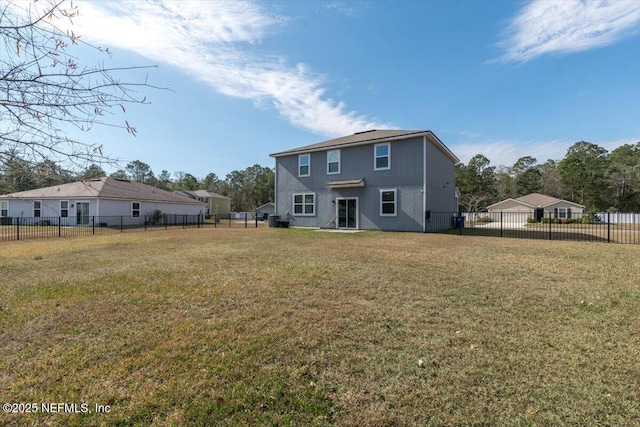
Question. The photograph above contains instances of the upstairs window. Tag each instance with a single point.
(388, 202)
(64, 208)
(37, 209)
(382, 154)
(135, 209)
(333, 162)
(304, 165)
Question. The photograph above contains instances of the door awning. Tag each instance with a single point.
(347, 183)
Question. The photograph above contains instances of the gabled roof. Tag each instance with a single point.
(271, 204)
(201, 193)
(370, 137)
(104, 188)
(537, 200)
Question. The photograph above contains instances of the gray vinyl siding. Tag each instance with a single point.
(441, 181)
(406, 176)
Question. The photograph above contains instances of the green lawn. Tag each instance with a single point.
(298, 327)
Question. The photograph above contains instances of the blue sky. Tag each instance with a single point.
(501, 78)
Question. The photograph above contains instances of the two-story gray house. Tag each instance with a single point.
(373, 180)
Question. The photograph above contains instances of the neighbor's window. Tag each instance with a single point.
(37, 209)
(304, 204)
(382, 159)
(333, 162)
(562, 213)
(388, 202)
(304, 164)
(4, 208)
(64, 208)
(135, 209)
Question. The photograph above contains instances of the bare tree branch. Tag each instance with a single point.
(45, 91)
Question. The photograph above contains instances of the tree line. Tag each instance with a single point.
(247, 189)
(588, 175)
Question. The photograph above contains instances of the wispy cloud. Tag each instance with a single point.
(347, 9)
(506, 153)
(544, 27)
(219, 44)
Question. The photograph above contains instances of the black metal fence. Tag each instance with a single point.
(23, 228)
(589, 227)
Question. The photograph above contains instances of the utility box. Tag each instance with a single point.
(457, 222)
(273, 221)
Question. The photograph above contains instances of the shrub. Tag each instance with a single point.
(485, 219)
(156, 216)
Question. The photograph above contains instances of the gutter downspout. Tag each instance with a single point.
(424, 184)
(275, 188)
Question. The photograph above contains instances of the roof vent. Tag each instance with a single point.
(365, 131)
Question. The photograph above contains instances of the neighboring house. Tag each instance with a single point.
(265, 210)
(217, 204)
(538, 206)
(376, 180)
(76, 203)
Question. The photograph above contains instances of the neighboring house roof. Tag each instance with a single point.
(201, 193)
(537, 200)
(370, 137)
(266, 205)
(104, 188)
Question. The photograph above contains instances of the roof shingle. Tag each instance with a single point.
(370, 137)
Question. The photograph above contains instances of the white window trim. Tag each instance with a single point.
(300, 156)
(139, 210)
(4, 203)
(67, 209)
(566, 213)
(303, 204)
(34, 208)
(395, 201)
(375, 157)
(339, 161)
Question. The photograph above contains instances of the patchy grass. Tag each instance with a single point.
(296, 327)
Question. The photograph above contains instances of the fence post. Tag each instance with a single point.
(256, 220)
(549, 225)
(93, 224)
(501, 218)
(229, 220)
(121, 223)
(164, 219)
(18, 228)
(59, 227)
(608, 227)
(246, 215)
(215, 220)
(145, 223)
